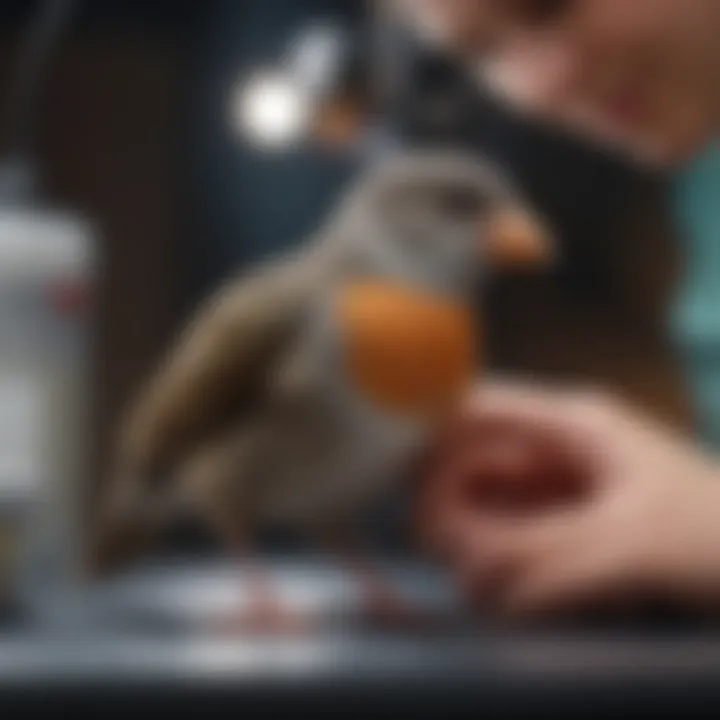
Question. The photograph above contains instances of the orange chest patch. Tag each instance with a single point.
(409, 352)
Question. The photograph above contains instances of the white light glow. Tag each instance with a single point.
(271, 111)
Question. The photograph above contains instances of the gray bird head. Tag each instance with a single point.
(440, 219)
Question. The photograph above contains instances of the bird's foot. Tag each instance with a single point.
(386, 608)
(266, 618)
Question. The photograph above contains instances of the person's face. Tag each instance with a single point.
(453, 23)
(640, 74)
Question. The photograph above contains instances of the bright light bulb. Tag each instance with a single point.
(271, 110)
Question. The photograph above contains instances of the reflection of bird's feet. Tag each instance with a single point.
(265, 617)
(386, 608)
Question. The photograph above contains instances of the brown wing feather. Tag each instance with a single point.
(209, 379)
(218, 366)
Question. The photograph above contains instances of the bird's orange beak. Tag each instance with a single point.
(339, 123)
(515, 238)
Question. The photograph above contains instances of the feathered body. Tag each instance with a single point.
(300, 393)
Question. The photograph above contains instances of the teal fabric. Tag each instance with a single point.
(696, 317)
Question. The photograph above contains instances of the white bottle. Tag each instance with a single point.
(47, 272)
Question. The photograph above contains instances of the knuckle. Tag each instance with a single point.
(596, 406)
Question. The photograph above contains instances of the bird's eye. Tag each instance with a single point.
(461, 204)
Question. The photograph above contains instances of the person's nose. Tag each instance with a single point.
(534, 74)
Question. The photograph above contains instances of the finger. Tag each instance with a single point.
(503, 409)
(499, 550)
(566, 583)
(544, 414)
(533, 568)
(502, 477)
(589, 426)
(504, 460)
(514, 391)
(531, 405)
(524, 538)
(497, 475)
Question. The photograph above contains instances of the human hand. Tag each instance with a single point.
(547, 502)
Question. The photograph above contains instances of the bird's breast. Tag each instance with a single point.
(410, 352)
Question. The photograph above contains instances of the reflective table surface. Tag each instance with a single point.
(156, 630)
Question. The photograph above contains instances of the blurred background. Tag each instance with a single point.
(176, 143)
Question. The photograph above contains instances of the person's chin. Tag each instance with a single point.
(655, 146)
(662, 154)
(638, 151)
(658, 157)
(669, 150)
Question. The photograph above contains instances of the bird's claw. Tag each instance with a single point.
(390, 610)
(265, 619)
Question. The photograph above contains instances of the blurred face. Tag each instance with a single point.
(643, 75)
(453, 23)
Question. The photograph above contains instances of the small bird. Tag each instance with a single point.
(300, 393)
